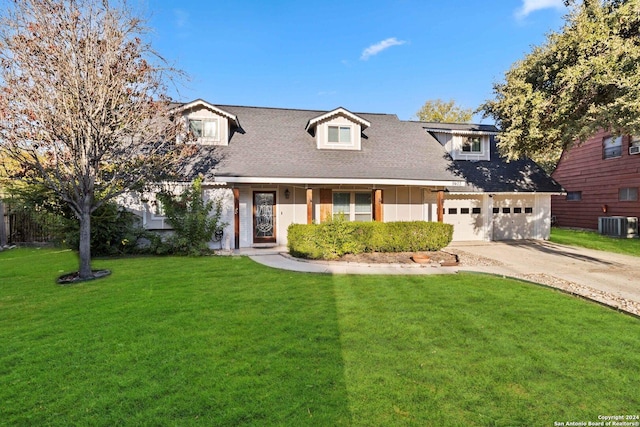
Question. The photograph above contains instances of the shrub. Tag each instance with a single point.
(114, 231)
(193, 226)
(332, 239)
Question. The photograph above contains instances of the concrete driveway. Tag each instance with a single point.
(616, 275)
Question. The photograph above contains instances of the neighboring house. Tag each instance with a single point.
(274, 167)
(602, 179)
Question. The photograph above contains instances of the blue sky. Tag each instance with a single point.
(366, 56)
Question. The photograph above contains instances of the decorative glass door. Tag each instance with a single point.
(264, 217)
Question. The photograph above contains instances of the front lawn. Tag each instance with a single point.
(225, 341)
(593, 240)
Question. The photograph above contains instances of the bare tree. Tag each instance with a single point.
(83, 105)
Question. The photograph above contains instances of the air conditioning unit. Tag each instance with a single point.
(634, 149)
(618, 226)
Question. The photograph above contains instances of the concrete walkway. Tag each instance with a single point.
(585, 272)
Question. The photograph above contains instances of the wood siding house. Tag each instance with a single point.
(273, 167)
(601, 178)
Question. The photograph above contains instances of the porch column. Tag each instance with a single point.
(326, 204)
(309, 206)
(377, 206)
(440, 205)
(236, 217)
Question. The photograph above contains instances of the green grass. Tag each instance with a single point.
(593, 240)
(225, 341)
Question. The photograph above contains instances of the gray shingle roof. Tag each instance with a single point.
(273, 143)
(498, 175)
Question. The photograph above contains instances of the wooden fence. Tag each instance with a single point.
(19, 227)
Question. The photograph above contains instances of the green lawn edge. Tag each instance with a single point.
(226, 341)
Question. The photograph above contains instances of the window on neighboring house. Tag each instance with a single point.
(353, 206)
(472, 144)
(528, 210)
(339, 134)
(574, 196)
(204, 129)
(629, 194)
(612, 147)
(476, 210)
(634, 144)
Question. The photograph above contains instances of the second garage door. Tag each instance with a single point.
(513, 218)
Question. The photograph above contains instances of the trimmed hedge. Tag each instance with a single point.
(332, 239)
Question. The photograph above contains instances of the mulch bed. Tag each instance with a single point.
(73, 278)
(439, 257)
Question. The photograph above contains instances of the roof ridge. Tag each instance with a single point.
(282, 108)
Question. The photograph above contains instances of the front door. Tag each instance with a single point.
(264, 216)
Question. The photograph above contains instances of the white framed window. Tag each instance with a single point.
(472, 144)
(158, 209)
(205, 129)
(339, 135)
(353, 206)
(628, 194)
(635, 141)
(611, 147)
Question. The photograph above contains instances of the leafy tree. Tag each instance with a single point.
(444, 112)
(582, 79)
(190, 217)
(83, 106)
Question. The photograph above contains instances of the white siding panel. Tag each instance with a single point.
(225, 196)
(246, 218)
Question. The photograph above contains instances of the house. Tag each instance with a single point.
(601, 177)
(273, 167)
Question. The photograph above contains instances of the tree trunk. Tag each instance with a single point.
(84, 251)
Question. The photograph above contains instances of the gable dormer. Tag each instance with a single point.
(206, 123)
(338, 129)
(465, 144)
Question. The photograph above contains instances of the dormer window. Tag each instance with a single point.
(338, 129)
(205, 123)
(472, 144)
(339, 135)
(205, 130)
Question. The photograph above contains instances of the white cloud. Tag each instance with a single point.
(375, 49)
(181, 18)
(529, 6)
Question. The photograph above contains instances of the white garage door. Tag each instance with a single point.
(466, 216)
(513, 218)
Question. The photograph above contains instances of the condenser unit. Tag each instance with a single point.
(635, 149)
(618, 226)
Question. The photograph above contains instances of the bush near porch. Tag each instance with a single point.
(332, 239)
